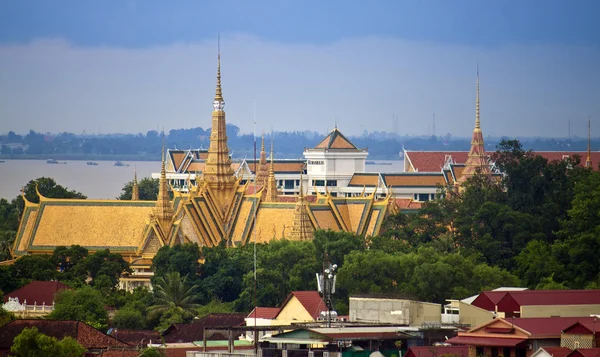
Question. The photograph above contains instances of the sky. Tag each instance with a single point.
(133, 66)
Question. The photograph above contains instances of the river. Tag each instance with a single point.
(103, 181)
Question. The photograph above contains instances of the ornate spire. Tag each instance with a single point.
(135, 190)
(263, 169)
(477, 123)
(163, 211)
(477, 160)
(219, 94)
(271, 193)
(218, 171)
(588, 160)
(302, 228)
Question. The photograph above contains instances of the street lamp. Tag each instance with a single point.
(326, 285)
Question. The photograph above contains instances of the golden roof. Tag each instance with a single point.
(335, 140)
(414, 179)
(274, 221)
(116, 225)
(364, 179)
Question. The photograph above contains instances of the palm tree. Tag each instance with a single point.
(172, 292)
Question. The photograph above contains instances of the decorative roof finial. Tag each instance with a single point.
(477, 123)
(135, 191)
(219, 93)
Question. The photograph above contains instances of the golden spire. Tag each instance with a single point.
(163, 210)
(477, 160)
(588, 161)
(477, 123)
(271, 193)
(263, 169)
(217, 171)
(219, 94)
(135, 190)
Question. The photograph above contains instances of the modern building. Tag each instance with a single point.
(404, 312)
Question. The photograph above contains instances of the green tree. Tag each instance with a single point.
(31, 343)
(215, 306)
(104, 263)
(336, 244)
(85, 304)
(8, 281)
(129, 318)
(147, 187)
(172, 293)
(34, 267)
(181, 258)
(48, 188)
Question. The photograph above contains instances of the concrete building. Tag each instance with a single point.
(394, 311)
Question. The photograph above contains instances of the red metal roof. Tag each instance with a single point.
(432, 161)
(486, 341)
(556, 297)
(264, 313)
(549, 326)
(585, 352)
(557, 351)
(434, 351)
(39, 292)
(311, 300)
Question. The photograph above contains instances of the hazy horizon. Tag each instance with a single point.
(130, 67)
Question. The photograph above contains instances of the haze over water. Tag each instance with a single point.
(104, 181)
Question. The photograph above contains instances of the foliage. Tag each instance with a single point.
(182, 258)
(85, 304)
(215, 306)
(107, 264)
(5, 316)
(129, 318)
(34, 267)
(174, 297)
(150, 352)
(31, 343)
(48, 188)
(147, 187)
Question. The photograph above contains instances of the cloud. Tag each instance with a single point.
(360, 83)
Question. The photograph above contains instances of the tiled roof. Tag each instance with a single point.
(86, 335)
(264, 313)
(194, 331)
(136, 337)
(335, 140)
(38, 292)
(364, 179)
(407, 203)
(414, 179)
(311, 300)
(434, 351)
(281, 166)
(433, 161)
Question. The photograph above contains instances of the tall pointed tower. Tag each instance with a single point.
(217, 173)
(477, 160)
(163, 211)
(302, 228)
(135, 190)
(271, 192)
(588, 160)
(262, 173)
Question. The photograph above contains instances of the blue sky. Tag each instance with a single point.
(135, 65)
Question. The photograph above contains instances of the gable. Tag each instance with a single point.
(293, 310)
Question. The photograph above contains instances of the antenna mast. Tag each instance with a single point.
(255, 174)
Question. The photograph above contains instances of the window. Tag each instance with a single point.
(331, 183)
(289, 184)
(423, 197)
(319, 183)
(316, 162)
(297, 182)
